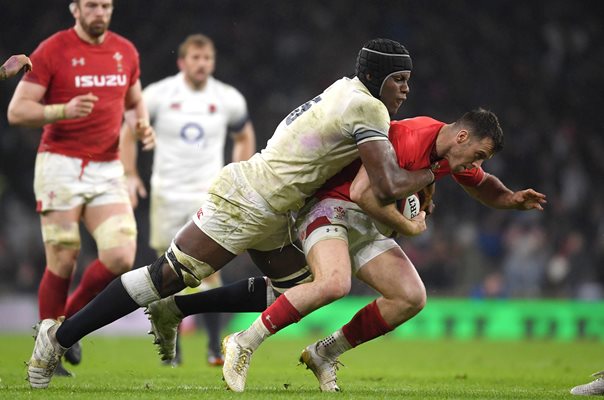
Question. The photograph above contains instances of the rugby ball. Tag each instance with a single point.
(409, 207)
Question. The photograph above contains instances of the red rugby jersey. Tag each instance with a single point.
(413, 140)
(67, 66)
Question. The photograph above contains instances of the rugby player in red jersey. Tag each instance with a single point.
(85, 79)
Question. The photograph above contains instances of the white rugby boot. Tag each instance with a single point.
(595, 387)
(236, 363)
(165, 317)
(46, 355)
(323, 367)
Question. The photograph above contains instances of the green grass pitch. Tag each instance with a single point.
(128, 368)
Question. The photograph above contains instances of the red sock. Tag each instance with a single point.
(52, 295)
(366, 324)
(280, 314)
(95, 278)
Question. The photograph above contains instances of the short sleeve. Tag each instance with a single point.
(152, 97)
(237, 114)
(470, 177)
(366, 119)
(42, 72)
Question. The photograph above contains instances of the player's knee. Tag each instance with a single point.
(412, 301)
(190, 270)
(116, 231)
(280, 285)
(62, 236)
(335, 288)
(118, 262)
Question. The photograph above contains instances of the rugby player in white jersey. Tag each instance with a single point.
(192, 114)
(250, 203)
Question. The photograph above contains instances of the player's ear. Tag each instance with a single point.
(73, 7)
(462, 136)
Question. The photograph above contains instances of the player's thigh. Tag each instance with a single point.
(329, 260)
(392, 274)
(57, 183)
(279, 263)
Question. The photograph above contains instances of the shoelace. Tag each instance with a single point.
(599, 375)
(243, 358)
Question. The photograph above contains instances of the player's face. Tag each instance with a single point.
(198, 64)
(395, 91)
(468, 152)
(94, 16)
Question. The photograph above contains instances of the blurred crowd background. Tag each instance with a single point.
(539, 65)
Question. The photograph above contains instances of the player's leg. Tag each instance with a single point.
(137, 288)
(59, 202)
(286, 266)
(60, 205)
(330, 267)
(61, 235)
(212, 323)
(403, 296)
(114, 229)
(109, 218)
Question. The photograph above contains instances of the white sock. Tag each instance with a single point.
(252, 337)
(333, 345)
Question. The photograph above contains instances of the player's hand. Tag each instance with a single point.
(16, 63)
(528, 199)
(80, 106)
(425, 199)
(145, 133)
(414, 226)
(136, 189)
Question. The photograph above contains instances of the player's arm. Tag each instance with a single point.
(493, 193)
(13, 65)
(129, 156)
(361, 193)
(388, 180)
(137, 117)
(244, 143)
(26, 108)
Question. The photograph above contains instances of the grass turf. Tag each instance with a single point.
(127, 368)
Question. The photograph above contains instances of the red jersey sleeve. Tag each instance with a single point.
(470, 177)
(42, 72)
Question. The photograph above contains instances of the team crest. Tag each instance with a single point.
(340, 212)
(118, 59)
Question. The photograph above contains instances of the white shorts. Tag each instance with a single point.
(167, 217)
(63, 183)
(238, 218)
(344, 220)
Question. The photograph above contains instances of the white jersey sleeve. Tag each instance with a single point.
(236, 109)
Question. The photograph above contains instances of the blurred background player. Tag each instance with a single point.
(13, 65)
(192, 113)
(85, 78)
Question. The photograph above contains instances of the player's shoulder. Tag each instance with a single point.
(361, 100)
(58, 39)
(163, 88)
(415, 124)
(119, 40)
(222, 87)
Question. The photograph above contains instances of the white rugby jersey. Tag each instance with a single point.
(314, 142)
(191, 128)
